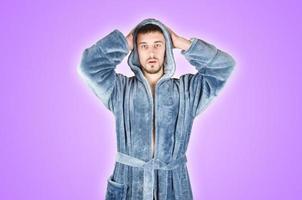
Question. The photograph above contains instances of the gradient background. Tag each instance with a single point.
(58, 140)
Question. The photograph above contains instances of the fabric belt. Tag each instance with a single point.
(149, 168)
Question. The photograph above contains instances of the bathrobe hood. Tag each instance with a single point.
(169, 63)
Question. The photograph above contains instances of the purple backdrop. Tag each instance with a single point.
(58, 140)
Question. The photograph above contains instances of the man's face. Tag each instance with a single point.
(151, 51)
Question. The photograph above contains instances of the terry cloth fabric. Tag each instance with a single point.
(176, 103)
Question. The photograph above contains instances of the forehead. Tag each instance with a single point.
(150, 37)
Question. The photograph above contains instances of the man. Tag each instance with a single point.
(154, 112)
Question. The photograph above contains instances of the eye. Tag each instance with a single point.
(157, 45)
(144, 46)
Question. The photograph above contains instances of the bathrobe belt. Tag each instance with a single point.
(149, 168)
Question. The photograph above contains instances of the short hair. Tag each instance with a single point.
(149, 28)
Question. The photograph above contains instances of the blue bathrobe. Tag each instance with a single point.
(137, 174)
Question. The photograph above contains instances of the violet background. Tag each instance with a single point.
(58, 140)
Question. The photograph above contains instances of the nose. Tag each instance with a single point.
(152, 51)
(152, 54)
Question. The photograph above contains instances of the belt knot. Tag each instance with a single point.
(149, 168)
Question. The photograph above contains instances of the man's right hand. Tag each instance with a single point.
(130, 40)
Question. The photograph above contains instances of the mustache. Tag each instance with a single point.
(151, 59)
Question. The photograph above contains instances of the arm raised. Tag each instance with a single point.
(214, 67)
(98, 65)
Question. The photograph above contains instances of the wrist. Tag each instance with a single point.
(183, 43)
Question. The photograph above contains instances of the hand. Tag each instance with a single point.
(174, 37)
(129, 39)
(179, 42)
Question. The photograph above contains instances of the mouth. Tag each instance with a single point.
(152, 61)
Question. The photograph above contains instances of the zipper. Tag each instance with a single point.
(153, 121)
(155, 118)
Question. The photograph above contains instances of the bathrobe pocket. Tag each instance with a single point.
(115, 190)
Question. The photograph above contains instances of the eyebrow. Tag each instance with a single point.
(158, 41)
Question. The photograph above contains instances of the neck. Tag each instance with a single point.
(153, 78)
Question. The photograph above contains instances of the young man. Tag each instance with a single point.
(154, 112)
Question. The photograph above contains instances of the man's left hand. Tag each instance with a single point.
(179, 42)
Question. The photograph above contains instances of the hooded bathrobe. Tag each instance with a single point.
(138, 175)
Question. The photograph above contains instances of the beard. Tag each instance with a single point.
(152, 70)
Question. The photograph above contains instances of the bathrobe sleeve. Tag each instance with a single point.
(98, 65)
(214, 68)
